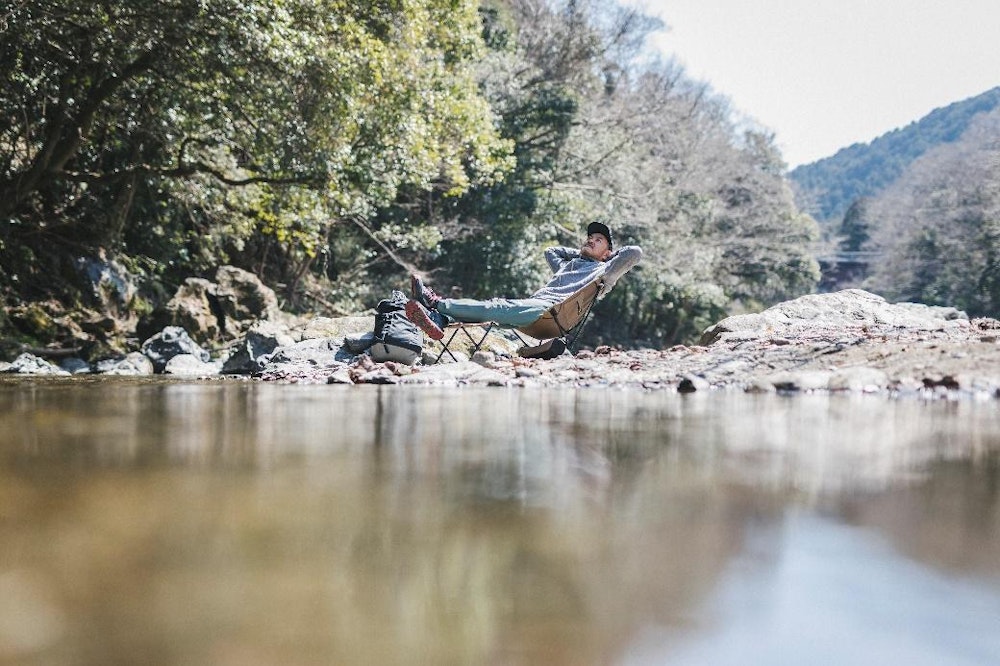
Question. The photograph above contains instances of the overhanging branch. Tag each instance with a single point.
(183, 171)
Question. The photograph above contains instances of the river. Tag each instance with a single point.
(179, 522)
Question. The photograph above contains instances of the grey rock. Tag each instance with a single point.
(75, 365)
(336, 327)
(188, 365)
(340, 376)
(487, 359)
(310, 354)
(692, 383)
(170, 342)
(248, 355)
(224, 309)
(242, 297)
(133, 364)
(29, 364)
(840, 312)
(111, 285)
(465, 372)
(378, 376)
(358, 343)
(191, 308)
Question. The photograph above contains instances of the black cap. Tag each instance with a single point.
(599, 228)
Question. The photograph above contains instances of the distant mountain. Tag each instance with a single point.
(827, 188)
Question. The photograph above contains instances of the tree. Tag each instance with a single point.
(854, 229)
(320, 110)
(601, 132)
(939, 225)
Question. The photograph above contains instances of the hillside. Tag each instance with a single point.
(828, 187)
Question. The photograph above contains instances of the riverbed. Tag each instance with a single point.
(238, 522)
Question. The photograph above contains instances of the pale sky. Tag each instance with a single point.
(823, 74)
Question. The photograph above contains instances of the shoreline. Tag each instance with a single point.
(849, 341)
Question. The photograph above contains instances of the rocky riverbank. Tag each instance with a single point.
(845, 341)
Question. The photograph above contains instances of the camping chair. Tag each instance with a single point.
(562, 320)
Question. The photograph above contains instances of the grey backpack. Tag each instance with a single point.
(396, 338)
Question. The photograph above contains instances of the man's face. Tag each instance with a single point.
(596, 247)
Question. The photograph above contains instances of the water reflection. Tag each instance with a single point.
(192, 523)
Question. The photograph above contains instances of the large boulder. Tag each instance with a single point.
(110, 284)
(309, 360)
(838, 312)
(192, 309)
(262, 339)
(171, 341)
(336, 327)
(188, 365)
(224, 309)
(29, 364)
(242, 297)
(133, 364)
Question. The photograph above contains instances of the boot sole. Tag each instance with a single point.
(416, 313)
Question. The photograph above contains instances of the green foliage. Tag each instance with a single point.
(599, 133)
(211, 122)
(331, 146)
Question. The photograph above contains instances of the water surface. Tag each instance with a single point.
(171, 522)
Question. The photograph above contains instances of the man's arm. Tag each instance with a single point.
(622, 259)
(557, 256)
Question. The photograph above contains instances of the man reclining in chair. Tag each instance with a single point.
(573, 269)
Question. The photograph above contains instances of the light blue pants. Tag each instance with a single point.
(504, 311)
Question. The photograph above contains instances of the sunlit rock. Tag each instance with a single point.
(842, 311)
(188, 365)
(247, 355)
(170, 342)
(29, 364)
(131, 365)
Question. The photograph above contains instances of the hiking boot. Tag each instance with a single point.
(423, 294)
(424, 319)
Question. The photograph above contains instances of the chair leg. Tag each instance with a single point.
(445, 349)
(524, 343)
(476, 345)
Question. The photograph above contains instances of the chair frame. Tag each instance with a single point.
(562, 320)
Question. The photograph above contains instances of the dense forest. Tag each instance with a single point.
(827, 188)
(333, 146)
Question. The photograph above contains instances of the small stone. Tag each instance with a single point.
(341, 376)
(946, 382)
(484, 358)
(801, 381)
(692, 383)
